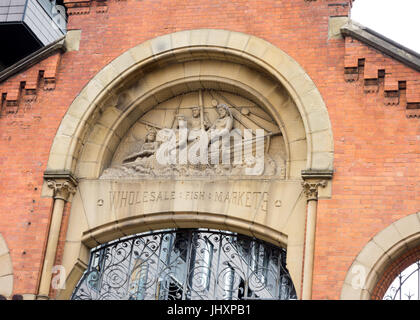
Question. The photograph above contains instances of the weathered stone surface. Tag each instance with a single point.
(334, 26)
(265, 202)
(6, 285)
(5, 265)
(72, 41)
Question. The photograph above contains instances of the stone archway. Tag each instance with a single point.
(103, 115)
(384, 248)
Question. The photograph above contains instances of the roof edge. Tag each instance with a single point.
(380, 42)
(33, 58)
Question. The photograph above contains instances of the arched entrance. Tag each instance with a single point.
(186, 264)
(108, 140)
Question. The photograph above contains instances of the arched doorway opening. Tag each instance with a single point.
(186, 264)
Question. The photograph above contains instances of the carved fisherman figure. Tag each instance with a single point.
(197, 138)
(195, 124)
(174, 143)
(147, 149)
(221, 130)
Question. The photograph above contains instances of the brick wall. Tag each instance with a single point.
(377, 151)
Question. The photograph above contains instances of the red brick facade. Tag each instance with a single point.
(374, 117)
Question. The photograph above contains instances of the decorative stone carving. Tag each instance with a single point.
(221, 128)
(177, 145)
(62, 189)
(144, 159)
(195, 124)
(311, 189)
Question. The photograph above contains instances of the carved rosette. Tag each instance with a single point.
(62, 189)
(311, 189)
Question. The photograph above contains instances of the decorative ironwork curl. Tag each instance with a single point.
(187, 264)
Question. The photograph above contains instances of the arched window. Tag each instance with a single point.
(406, 286)
(186, 264)
(400, 279)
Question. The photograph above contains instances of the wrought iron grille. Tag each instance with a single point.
(406, 286)
(186, 264)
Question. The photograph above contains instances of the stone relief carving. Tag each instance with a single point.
(210, 142)
(144, 159)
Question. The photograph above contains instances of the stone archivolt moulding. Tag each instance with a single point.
(385, 247)
(90, 105)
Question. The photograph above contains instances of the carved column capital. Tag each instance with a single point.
(62, 188)
(311, 188)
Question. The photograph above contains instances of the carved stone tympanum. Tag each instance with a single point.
(196, 134)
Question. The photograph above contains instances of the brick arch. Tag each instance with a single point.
(182, 46)
(393, 270)
(6, 271)
(387, 253)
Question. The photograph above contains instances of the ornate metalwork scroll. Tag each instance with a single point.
(186, 264)
(406, 286)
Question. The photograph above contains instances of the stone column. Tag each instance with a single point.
(62, 190)
(311, 192)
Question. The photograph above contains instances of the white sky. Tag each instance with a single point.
(398, 20)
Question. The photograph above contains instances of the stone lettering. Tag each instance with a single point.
(255, 200)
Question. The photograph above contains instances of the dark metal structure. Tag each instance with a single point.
(186, 264)
(28, 25)
(406, 286)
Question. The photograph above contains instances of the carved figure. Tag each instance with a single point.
(194, 148)
(195, 124)
(147, 149)
(220, 130)
(197, 138)
(173, 141)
